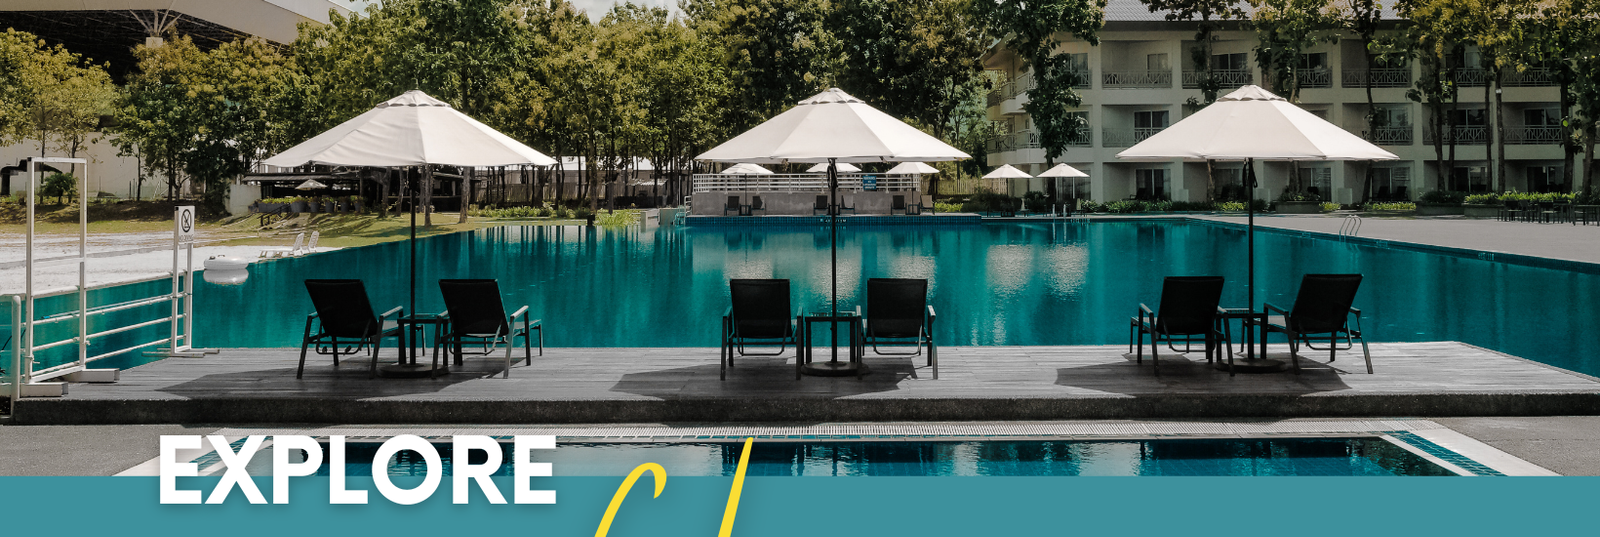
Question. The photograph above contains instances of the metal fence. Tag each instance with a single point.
(1315, 78)
(1381, 78)
(1397, 135)
(1463, 135)
(1533, 135)
(1227, 78)
(1125, 137)
(1136, 79)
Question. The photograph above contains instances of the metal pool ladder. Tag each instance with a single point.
(1351, 227)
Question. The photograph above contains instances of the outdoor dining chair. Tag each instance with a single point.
(759, 315)
(344, 323)
(1321, 312)
(475, 314)
(898, 312)
(1188, 314)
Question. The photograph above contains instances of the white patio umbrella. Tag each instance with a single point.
(1252, 123)
(1063, 170)
(833, 127)
(1007, 172)
(411, 130)
(822, 167)
(746, 169)
(912, 168)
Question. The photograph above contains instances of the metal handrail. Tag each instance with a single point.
(1350, 227)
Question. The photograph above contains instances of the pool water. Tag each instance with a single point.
(1014, 283)
(1230, 457)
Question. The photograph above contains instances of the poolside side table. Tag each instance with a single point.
(1252, 363)
(415, 325)
(833, 367)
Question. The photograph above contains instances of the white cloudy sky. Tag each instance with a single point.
(596, 8)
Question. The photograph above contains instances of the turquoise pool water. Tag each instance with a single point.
(1009, 283)
(1231, 457)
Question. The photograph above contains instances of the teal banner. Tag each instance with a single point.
(789, 506)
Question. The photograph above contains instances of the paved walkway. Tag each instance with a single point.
(1555, 241)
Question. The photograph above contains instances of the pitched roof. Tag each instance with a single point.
(1138, 11)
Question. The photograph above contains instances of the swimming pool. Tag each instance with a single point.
(1364, 456)
(1013, 283)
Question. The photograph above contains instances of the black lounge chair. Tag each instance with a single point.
(345, 324)
(732, 205)
(757, 205)
(897, 203)
(898, 310)
(1321, 313)
(476, 315)
(821, 206)
(1188, 314)
(760, 315)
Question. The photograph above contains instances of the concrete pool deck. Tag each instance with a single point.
(667, 385)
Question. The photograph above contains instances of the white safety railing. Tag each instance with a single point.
(22, 377)
(808, 182)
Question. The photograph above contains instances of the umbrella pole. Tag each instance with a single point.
(411, 189)
(833, 247)
(1250, 235)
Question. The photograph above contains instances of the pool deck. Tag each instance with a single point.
(680, 385)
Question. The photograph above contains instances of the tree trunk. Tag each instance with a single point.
(1500, 138)
(1588, 160)
(427, 196)
(1568, 149)
(1211, 181)
(466, 194)
(383, 194)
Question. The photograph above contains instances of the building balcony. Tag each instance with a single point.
(1464, 135)
(1125, 137)
(1533, 135)
(1315, 78)
(1527, 79)
(1381, 78)
(1028, 140)
(1136, 79)
(1396, 135)
(1226, 78)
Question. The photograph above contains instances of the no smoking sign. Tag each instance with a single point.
(185, 221)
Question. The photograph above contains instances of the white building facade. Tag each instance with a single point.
(1141, 74)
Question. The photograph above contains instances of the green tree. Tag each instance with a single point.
(1436, 38)
(50, 95)
(1285, 29)
(60, 185)
(1030, 29)
(1362, 17)
(776, 52)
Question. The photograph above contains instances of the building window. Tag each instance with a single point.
(1157, 62)
(1541, 117)
(1230, 184)
(1468, 118)
(1317, 182)
(1469, 179)
(1547, 179)
(1230, 62)
(1151, 119)
(1391, 115)
(1315, 60)
(1152, 184)
(1391, 184)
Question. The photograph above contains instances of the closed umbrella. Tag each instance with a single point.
(833, 127)
(411, 130)
(310, 184)
(1251, 123)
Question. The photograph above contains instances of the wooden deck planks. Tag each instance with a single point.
(662, 384)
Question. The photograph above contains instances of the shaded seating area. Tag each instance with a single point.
(760, 314)
(897, 312)
(344, 323)
(1322, 313)
(1188, 314)
(476, 315)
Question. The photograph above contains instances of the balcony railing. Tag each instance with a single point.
(1471, 77)
(1529, 78)
(1532, 135)
(1381, 78)
(1464, 135)
(1226, 78)
(1125, 137)
(1395, 135)
(1315, 78)
(1028, 140)
(1136, 79)
(805, 182)
(996, 95)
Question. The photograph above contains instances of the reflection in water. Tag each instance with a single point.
(1232, 457)
(992, 284)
